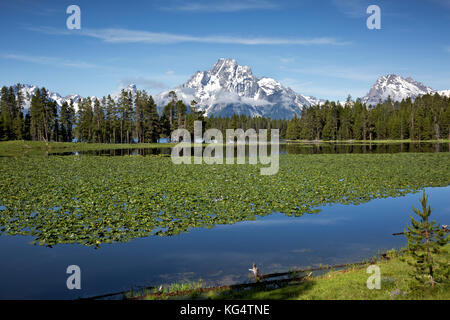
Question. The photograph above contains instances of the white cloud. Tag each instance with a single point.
(220, 6)
(112, 35)
(135, 36)
(352, 8)
(49, 61)
(143, 82)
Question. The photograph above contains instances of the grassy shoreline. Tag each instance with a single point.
(346, 284)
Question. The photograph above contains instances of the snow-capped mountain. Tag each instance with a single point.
(444, 93)
(28, 91)
(130, 88)
(229, 88)
(396, 87)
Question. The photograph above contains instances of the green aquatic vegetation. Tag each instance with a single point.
(94, 200)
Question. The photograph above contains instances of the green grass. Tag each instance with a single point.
(163, 292)
(347, 284)
(94, 200)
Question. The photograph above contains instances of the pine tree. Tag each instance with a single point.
(85, 120)
(151, 121)
(27, 127)
(293, 129)
(425, 242)
(111, 120)
(63, 121)
(70, 121)
(194, 115)
(171, 106)
(45, 116)
(139, 103)
(35, 116)
(125, 115)
(18, 125)
(98, 119)
(66, 121)
(8, 106)
(180, 108)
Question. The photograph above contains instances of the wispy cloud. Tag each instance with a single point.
(112, 35)
(338, 72)
(447, 49)
(66, 63)
(352, 8)
(332, 92)
(49, 61)
(143, 82)
(443, 3)
(220, 6)
(287, 60)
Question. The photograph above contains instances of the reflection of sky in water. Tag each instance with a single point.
(223, 254)
(295, 148)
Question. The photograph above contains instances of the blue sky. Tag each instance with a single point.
(319, 48)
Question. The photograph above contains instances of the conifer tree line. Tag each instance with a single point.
(130, 119)
(247, 122)
(105, 120)
(136, 119)
(427, 118)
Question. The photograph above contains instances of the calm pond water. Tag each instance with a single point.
(292, 148)
(221, 255)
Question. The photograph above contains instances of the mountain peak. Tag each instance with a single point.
(229, 88)
(396, 87)
(226, 61)
(226, 67)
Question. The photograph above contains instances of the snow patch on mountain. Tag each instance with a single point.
(444, 93)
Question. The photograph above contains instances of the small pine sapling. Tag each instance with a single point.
(426, 240)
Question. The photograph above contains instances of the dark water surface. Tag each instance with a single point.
(221, 255)
(292, 148)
